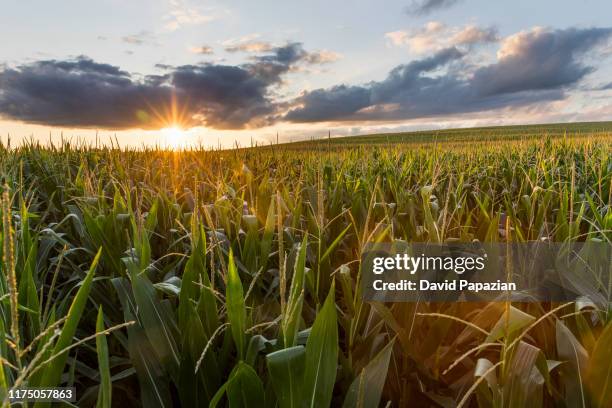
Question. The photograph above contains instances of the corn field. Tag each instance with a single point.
(192, 278)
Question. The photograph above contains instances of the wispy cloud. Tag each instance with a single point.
(202, 49)
(247, 43)
(242, 39)
(141, 38)
(322, 57)
(435, 36)
(425, 7)
(183, 14)
(252, 44)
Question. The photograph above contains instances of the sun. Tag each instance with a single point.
(174, 137)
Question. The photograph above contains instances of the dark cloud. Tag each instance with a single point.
(424, 7)
(84, 93)
(533, 66)
(314, 57)
(340, 102)
(605, 87)
(224, 96)
(540, 59)
(78, 93)
(287, 54)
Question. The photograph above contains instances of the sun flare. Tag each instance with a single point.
(174, 137)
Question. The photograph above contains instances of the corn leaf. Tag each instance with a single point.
(286, 368)
(293, 314)
(322, 355)
(366, 389)
(599, 374)
(53, 372)
(245, 388)
(157, 322)
(236, 310)
(576, 358)
(105, 391)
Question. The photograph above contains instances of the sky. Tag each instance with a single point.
(222, 73)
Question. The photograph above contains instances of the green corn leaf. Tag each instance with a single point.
(28, 295)
(268, 235)
(154, 387)
(218, 395)
(286, 368)
(189, 289)
(334, 244)
(207, 303)
(245, 389)
(236, 310)
(207, 307)
(157, 322)
(105, 391)
(198, 389)
(53, 372)
(322, 355)
(291, 320)
(366, 389)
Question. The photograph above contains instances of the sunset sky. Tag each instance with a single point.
(176, 72)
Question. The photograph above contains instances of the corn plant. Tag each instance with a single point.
(232, 278)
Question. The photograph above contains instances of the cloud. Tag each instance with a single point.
(181, 14)
(140, 38)
(605, 87)
(249, 46)
(203, 49)
(532, 66)
(76, 93)
(225, 97)
(249, 43)
(539, 59)
(87, 94)
(340, 102)
(240, 40)
(473, 35)
(398, 38)
(322, 57)
(435, 36)
(424, 7)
